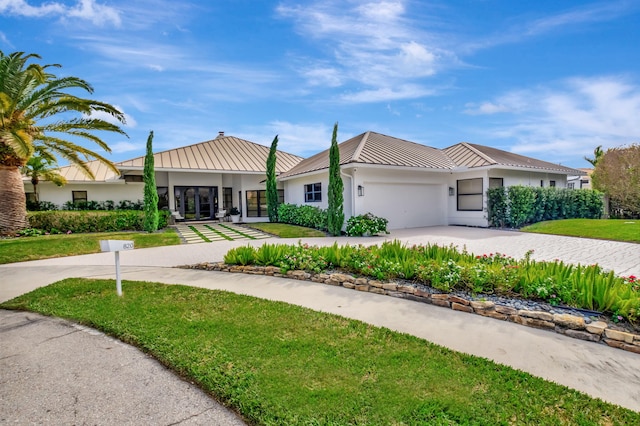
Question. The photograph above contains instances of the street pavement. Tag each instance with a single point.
(51, 368)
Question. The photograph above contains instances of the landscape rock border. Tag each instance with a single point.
(567, 324)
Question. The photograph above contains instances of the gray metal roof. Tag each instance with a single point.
(378, 149)
(472, 155)
(224, 153)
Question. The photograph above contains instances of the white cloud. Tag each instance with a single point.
(88, 10)
(124, 146)
(131, 122)
(303, 139)
(408, 91)
(373, 43)
(570, 119)
(485, 108)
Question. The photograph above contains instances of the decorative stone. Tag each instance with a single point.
(460, 307)
(376, 290)
(323, 277)
(441, 302)
(422, 293)
(507, 310)
(342, 278)
(271, 270)
(544, 316)
(363, 287)
(482, 305)
(619, 335)
(337, 283)
(298, 275)
(569, 321)
(374, 283)
(582, 335)
(407, 289)
(418, 298)
(622, 345)
(440, 296)
(390, 286)
(345, 285)
(236, 269)
(361, 281)
(458, 300)
(533, 322)
(492, 314)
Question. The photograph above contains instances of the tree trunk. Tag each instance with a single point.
(13, 205)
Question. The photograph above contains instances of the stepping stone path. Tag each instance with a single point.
(210, 232)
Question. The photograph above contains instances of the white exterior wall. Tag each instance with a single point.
(294, 189)
(529, 178)
(96, 191)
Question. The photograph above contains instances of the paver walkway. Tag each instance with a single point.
(216, 231)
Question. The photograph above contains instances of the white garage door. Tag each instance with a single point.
(406, 205)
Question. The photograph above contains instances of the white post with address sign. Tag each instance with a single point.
(116, 246)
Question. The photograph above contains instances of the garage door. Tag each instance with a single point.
(406, 205)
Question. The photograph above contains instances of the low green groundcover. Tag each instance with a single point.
(277, 363)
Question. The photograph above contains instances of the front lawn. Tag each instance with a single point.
(46, 246)
(277, 363)
(284, 230)
(606, 229)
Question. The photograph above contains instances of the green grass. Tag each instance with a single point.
(282, 364)
(46, 246)
(284, 230)
(627, 230)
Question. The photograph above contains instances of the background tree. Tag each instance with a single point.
(42, 166)
(37, 113)
(151, 217)
(335, 196)
(272, 185)
(597, 154)
(617, 174)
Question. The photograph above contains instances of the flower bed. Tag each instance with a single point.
(446, 269)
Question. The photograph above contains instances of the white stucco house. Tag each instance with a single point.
(409, 184)
(413, 185)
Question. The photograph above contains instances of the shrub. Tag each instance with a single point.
(517, 206)
(91, 221)
(366, 224)
(308, 216)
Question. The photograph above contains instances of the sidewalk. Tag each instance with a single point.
(597, 370)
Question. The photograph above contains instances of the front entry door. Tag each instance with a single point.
(196, 202)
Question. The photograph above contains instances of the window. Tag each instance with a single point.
(470, 194)
(163, 197)
(571, 185)
(313, 192)
(257, 202)
(496, 182)
(133, 178)
(552, 183)
(541, 183)
(227, 198)
(78, 197)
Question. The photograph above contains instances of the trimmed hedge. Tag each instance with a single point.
(308, 216)
(91, 221)
(516, 206)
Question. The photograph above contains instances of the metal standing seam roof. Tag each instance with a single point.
(101, 172)
(471, 155)
(224, 153)
(378, 149)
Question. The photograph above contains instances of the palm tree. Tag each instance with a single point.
(42, 167)
(597, 155)
(35, 116)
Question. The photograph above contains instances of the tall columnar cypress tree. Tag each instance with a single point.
(272, 185)
(335, 197)
(150, 191)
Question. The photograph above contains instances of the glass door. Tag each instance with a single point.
(196, 202)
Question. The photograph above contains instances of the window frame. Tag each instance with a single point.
(261, 199)
(313, 192)
(464, 194)
(75, 199)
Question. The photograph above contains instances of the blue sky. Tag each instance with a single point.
(547, 79)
